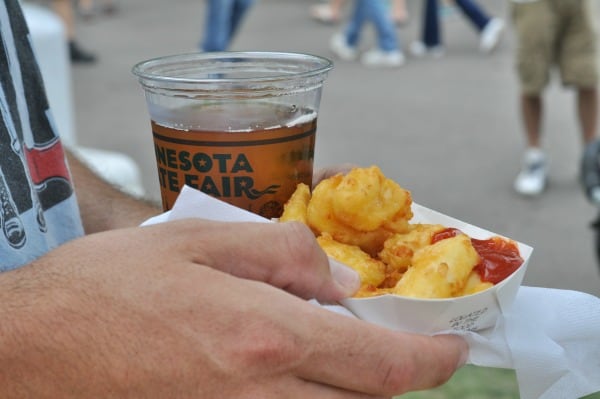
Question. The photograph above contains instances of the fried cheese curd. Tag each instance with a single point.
(372, 272)
(295, 208)
(362, 208)
(439, 270)
(362, 220)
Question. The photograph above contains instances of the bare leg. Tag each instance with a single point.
(399, 11)
(64, 9)
(587, 108)
(587, 112)
(336, 7)
(531, 112)
(532, 178)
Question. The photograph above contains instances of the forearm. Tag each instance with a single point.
(103, 206)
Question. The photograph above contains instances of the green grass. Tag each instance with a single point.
(473, 382)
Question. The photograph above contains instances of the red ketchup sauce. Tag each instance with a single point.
(499, 257)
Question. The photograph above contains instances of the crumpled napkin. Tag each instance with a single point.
(550, 337)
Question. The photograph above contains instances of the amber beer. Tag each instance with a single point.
(239, 126)
(256, 168)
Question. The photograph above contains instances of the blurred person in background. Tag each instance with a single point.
(387, 53)
(331, 11)
(447, 8)
(66, 11)
(89, 8)
(554, 34)
(399, 11)
(488, 28)
(222, 22)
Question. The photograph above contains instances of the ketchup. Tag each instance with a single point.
(499, 257)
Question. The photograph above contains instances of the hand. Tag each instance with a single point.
(182, 310)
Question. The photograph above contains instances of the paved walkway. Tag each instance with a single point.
(446, 129)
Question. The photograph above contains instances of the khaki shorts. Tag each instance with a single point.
(555, 33)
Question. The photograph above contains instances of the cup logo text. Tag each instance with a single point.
(214, 174)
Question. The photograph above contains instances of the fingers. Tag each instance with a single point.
(388, 363)
(285, 255)
(307, 389)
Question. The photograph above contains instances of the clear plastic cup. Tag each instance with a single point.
(240, 126)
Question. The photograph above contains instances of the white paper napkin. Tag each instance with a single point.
(550, 337)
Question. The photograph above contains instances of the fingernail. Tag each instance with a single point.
(346, 277)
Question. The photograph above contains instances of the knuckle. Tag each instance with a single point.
(300, 242)
(397, 379)
(275, 349)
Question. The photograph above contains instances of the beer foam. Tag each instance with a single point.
(304, 118)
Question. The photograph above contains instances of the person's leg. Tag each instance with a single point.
(386, 33)
(533, 23)
(399, 11)
(217, 25)
(344, 45)
(387, 53)
(356, 22)
(431, 24)
(532, 177)
(579, 68)
(240, 8)
(65, 11)
(474, 13)
(489, 29)
(578, 63)
(535, 32)
(430, 42)
(336, 8)
(531, 113)
(587, 110)
(589, 175)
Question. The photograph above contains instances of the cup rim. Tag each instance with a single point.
(147, 70)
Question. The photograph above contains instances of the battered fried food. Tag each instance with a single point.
(362, 219)
(399, 249)
(475, 284)
(439, 270)
(366, 200)
(371, 271)
(361, 208)
(295, 208)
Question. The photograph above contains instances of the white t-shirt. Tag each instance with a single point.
(38, 207)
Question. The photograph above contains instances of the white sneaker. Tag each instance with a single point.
(340, 47)
(380, 58)
(324, 13)
(490, 35)
(419, 49)
(531, 180)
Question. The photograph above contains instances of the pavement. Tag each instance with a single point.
(447, 129)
